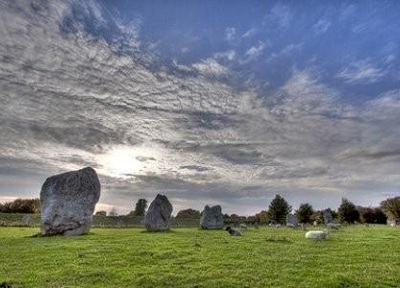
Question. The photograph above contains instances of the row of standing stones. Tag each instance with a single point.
(68, 201)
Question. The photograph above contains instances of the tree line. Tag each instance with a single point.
(279, 208)
(347, 212)
(277, 212)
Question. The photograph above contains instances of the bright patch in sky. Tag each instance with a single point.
(120, 162)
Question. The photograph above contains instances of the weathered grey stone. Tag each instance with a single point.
(211, 218)
(158, 214)
(328, 218)
(26, 220)
(233, 232)
(291, 220)
(68, 201)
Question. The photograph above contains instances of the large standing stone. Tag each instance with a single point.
(158, 214)
(68, 201)
(211, 218)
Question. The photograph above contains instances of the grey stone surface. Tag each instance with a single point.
(68, 201)
(26, 219)
(212, 218)
(233, 232)
(158, 214)
(291, 220)
(328, 218)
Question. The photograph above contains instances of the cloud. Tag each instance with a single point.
(195, 167)
(378, 155)
(390, 58)
(280, 14)
(229, 55)
(249, 33)
(131, 30)
(211, 68)
(321, 26)
(286, 51)
(384, 107)
(347, 12)
(255, 51)
(230, 34)
(72, 99)
(362, 72)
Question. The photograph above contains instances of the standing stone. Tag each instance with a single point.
(26, 220)
(68, 201)
(158, 214)
(328, 218)
(211, 218)
(291, 220)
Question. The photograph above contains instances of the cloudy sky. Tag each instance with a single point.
(208, 102)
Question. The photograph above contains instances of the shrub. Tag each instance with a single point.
(29, 206)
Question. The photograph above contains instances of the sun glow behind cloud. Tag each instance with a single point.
(126, 161)
(120, 162)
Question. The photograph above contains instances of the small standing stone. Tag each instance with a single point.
(291, 220)
(26, 220)
(328, 218)
(233, 232)
(212, 218)
(68, 201)
(158, 214)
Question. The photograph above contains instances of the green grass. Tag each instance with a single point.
(187, 257)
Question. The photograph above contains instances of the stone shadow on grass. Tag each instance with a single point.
(40, 235)
(158, 232)
(276, 239)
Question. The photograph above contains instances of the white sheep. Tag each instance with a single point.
(318, 235)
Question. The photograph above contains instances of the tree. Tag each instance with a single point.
(348, 212)
(391, 208)
(101, 213)
(188, 213)
(262, 217)
(304, 213)
(251, 220)
(372, 215)
(278, 209)
(140, 208)
(317, 217)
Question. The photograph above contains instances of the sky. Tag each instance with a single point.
(207, 102)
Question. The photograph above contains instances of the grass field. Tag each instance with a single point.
(355, 256)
